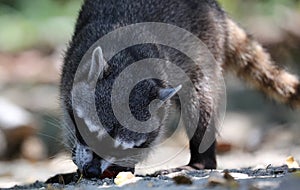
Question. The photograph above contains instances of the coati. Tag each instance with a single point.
(232, 48)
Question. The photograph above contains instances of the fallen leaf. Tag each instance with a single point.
(124, 178)
(226, 180)
(182, 180)
(291, 162)
(64, 178)
(223, 147)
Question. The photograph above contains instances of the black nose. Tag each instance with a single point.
(92, 170)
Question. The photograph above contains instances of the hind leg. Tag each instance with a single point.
(199, 160)
(205, 160)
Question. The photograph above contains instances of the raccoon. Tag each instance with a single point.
(232, 48)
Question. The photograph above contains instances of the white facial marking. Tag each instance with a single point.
(140, 142)
(127, 145)
(117, 142)
(83, 155)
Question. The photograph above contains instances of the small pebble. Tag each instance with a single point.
(182, 180)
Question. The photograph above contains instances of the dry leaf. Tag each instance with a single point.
(124, 178)
(182, 180)
(291, 162)
(217, 179)
(224, 147)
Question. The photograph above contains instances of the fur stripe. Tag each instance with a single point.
(247, 58)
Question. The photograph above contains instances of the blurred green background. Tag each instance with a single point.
(36, 23)
(44, 27)
(47, 23)
(34, 35)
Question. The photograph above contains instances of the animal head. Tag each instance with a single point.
(103, 142)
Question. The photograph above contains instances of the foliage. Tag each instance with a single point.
(49, 23)
(36, 23)
(246, 8)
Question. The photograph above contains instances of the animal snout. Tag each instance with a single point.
(92, 169)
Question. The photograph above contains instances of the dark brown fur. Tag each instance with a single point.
(248, 60)
(232, 48)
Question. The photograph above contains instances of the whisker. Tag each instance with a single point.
(55, 139)
(53, 121)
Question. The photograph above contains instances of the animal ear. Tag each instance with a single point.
(98, 65)
(83, 97)
(165, 94)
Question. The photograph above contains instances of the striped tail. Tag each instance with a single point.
(249, 61)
